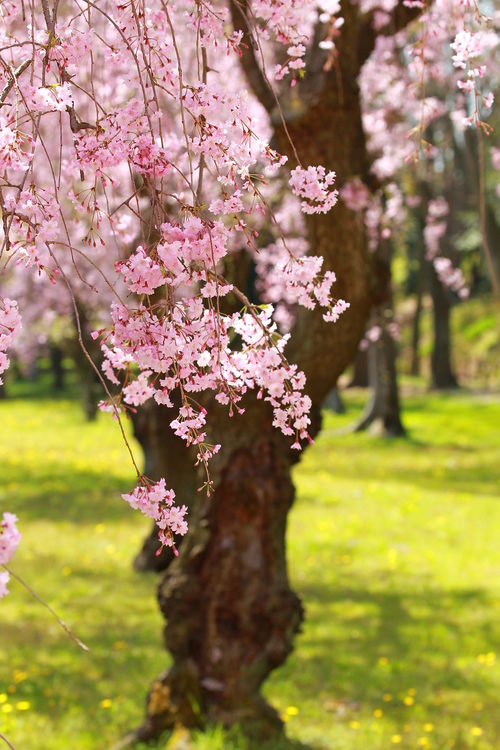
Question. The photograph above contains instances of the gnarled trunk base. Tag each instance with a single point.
(230, 614)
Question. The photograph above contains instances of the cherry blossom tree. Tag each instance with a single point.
(137, 170)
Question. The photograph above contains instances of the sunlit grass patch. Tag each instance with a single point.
(394, 548)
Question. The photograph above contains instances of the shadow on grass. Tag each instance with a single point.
(214, 738)
(55, 491)
(385, 643)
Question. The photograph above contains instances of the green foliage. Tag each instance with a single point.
(393, 547)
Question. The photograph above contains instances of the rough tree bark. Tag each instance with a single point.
(230, 614)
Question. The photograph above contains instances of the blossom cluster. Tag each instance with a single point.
(314, 186)
(435, 229)
(157, 502)
(9, 541)
(287, 278)
(10, 323)
(469, 47)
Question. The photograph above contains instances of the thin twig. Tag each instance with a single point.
(7, 742)
(54, 614)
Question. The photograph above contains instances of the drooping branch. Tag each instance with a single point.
(249, 56)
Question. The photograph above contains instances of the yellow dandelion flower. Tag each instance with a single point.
(6, 708)
(354, 724)
(105, 703)
(292, 710)
(396, 739)
(428, 727)
(23, 705)
(408, 700)
(378, 713)
(476, 731)
(3, 697)
(423, 742)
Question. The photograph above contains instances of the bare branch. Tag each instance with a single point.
(15, 75)
(75, 124)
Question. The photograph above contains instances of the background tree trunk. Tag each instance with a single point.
(417, 316)
(383, 414)
(57, 367)
(334, 402)
(442, 373)
(360, 372)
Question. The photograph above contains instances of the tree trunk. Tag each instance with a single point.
(360, 373)
(415, 335)
(417, 317)
(334, 402)
(57, 367)
(91, 390)
(383, 414)
(441, 369)
(230, 614)
(470, 161)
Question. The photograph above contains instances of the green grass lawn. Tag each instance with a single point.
(394, 548)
